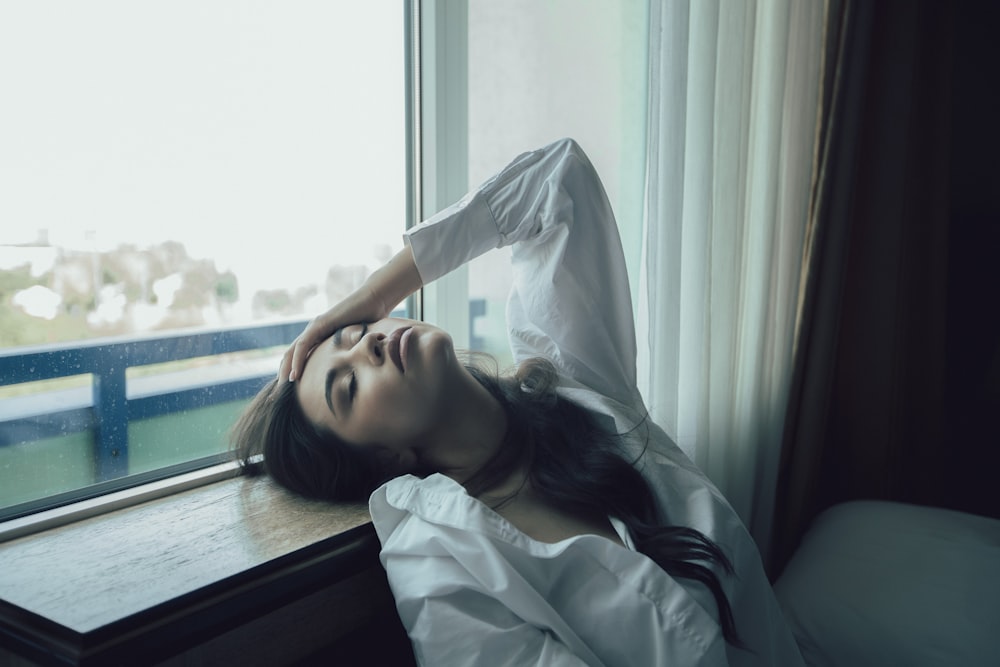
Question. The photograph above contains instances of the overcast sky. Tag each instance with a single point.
(267, 135)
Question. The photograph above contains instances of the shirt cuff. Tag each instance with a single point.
(452, 237)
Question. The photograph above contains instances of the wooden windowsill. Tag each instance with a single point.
(143, 583)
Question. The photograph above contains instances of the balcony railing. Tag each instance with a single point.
(109, 404)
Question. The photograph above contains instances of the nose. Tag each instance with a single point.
(372, 347)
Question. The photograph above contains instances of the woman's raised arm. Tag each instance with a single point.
(570, 301)
(383, 289)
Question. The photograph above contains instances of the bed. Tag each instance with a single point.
(882, 583)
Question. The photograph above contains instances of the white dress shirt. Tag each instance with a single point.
(472, 589)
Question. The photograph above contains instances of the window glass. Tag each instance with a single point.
(540, 71)
(180, 166)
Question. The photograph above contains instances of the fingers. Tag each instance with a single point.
(293, 361)
(285, 368)
(294, 358)
(299, 353)
(363, 305)
(386, 286)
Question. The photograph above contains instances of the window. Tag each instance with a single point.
(191, 182)
(184, 184)
(515, 75)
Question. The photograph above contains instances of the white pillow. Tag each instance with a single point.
(882, 584)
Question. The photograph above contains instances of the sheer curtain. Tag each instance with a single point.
(733, 99)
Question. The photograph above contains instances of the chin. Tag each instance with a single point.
(436, 342)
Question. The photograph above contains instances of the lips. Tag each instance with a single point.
(395, 348)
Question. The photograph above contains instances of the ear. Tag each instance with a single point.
(407, 460)
(398, 462)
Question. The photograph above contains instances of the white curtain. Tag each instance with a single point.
(733, 95)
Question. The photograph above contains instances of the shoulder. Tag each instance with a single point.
(436, 496)
(411, 510)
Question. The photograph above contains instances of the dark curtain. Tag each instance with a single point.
(894, 387)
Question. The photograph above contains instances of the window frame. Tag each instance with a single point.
(441, 125)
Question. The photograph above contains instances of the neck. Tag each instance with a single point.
(470, 434)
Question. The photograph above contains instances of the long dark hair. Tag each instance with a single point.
(580, 467)
(571, 462)
(273, 435)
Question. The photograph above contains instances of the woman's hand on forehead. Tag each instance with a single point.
(357, 308)
(384, 288)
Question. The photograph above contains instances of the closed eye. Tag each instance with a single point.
(364, 330)
(352, 387)
(338, 335)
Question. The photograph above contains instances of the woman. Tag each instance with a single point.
(540, 519)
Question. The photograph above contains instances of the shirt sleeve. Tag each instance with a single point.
(570, 300)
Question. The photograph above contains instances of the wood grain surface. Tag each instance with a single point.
(98, 571)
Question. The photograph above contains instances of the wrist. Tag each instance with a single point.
(394, 281)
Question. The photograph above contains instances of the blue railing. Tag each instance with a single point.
(109, 408)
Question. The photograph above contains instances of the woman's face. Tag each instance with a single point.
(382, 385)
